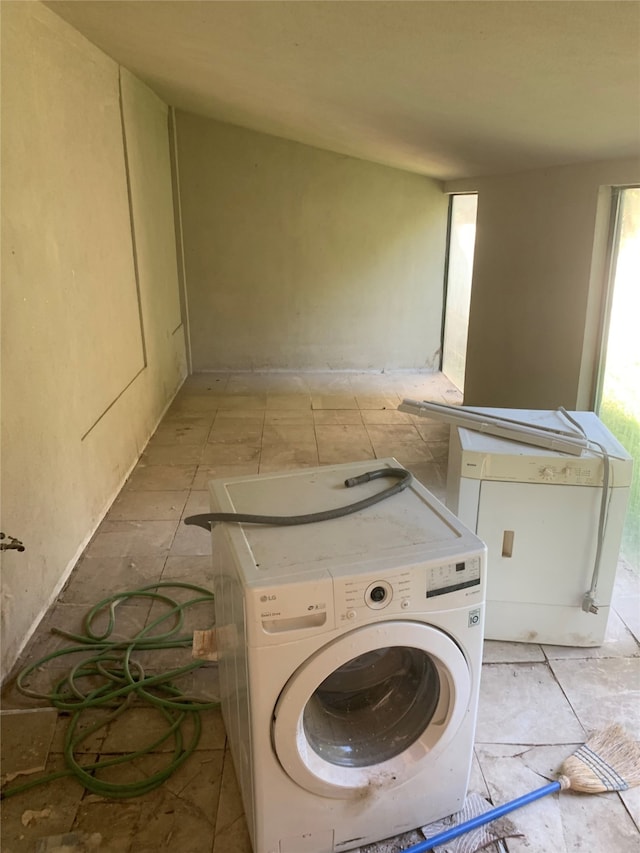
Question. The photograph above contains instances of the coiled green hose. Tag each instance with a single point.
(122, 684)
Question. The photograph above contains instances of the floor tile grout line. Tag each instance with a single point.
(582, 725)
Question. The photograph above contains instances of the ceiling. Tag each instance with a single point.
(445, 89)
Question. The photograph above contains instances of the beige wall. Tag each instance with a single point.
(538, 280)
(304, 259)
(92, 342)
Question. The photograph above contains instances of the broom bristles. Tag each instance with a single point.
(608, 761)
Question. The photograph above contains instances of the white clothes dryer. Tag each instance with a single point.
(349, 657)
(538, 511)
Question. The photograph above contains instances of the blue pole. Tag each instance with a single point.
(485, 817)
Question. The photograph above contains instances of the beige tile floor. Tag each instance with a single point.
(537, 702)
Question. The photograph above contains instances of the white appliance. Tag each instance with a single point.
(538, 511)
(349, 657)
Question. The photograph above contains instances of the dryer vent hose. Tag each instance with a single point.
(206, 520)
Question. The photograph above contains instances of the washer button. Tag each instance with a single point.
(351, 614)
(405, 604)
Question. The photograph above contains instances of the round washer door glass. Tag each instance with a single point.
(373, 707)
(380, 700)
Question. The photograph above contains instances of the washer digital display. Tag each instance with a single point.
(451, 577)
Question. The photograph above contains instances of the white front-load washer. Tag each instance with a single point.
(349, 657)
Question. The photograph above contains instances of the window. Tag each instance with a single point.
(618, 401)
(459, 268)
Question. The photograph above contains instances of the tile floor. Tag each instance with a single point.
(537, 702)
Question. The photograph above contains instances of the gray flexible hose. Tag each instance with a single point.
(206, 520)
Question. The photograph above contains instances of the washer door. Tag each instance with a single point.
(371, 708)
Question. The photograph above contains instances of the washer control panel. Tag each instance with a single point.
(357, 597)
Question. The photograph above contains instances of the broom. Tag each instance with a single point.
(609, 761)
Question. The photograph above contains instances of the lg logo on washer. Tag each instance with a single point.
(293, 607)
(264, 599)
(272, 610)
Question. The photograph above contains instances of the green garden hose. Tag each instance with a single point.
(116, 682)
